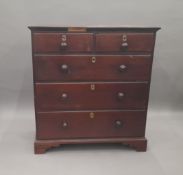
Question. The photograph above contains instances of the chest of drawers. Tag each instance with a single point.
(91, 85)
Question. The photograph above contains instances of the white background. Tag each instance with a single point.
(164, 128)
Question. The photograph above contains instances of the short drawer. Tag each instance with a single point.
(85, 96)
(60, 125)
(92, 68)
(132, 42)
(62, 42)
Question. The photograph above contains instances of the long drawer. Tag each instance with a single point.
(59, 125)
(84, 96)
(92, 68)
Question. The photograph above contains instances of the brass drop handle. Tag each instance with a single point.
(120, 95)
(64, 125)
(63, 41)
(118, 123)
(124, 45)
(122, 67)
(63, 44)
(64, 96)
(65, 68)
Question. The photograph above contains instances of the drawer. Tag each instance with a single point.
(85, 96)
(59, 125)
(62, 42)
(132, 42)
(92, 68)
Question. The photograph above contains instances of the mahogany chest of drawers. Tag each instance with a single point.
(91, 85)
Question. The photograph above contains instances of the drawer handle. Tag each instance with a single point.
(122, 67)
(120, 95)
(118, 123)
(63, 42)
(63, 45)
(64, 125)
(64, 96)
(64, 37)
(124, 45)
(65, 68)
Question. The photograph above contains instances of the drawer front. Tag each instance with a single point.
(59, 125)
(85, 96)
(92, 68)
(62, 42)
(137, 42)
